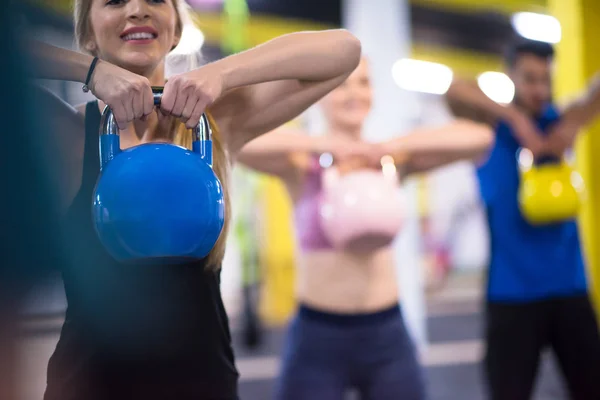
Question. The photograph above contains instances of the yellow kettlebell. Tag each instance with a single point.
(550, 190)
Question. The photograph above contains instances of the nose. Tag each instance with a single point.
(138, 10)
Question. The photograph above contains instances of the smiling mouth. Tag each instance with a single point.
(139, 36)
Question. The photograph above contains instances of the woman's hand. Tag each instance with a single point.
(127, 94)
(343, 149)
(350, 155)
(187, 96)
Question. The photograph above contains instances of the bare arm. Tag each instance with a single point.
(283, 151)
(467, 100)
(426, 149)
(273, 83)
(574, 118)
(128, 94)
(586, 108)
(273, 152)
(51, 62)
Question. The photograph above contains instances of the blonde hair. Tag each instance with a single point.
(183, 137)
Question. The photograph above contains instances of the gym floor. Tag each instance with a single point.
(452, 361)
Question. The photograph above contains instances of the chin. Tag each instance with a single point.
(138, 63)
(354, 119)
(353, 124)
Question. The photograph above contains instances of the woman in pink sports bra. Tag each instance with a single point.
(349, 331)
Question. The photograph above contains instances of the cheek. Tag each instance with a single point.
(333, 102)
(170, 26)
(166, 42)
(104, 31)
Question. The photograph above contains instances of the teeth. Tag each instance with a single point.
(138, 36)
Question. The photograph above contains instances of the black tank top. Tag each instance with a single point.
(135, 331)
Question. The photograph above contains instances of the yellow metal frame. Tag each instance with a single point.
(577, 61)
(503, 6)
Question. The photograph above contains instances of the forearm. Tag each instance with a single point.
(424, 149)
(585, 109)
(272, 153)
(465, 99)
(51, 62)
(308, 56)
(281, 142)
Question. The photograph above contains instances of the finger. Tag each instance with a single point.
(194, 119)
(120, 115)
(169, 97)
(148, 100)
(137, 105)
(189, 107)
(128, 106)
(180, 103)
(201, 106)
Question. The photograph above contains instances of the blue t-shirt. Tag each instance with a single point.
(527, 262)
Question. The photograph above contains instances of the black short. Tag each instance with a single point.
(517, 333)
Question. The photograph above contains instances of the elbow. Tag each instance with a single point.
(460, 91)
(454, 90)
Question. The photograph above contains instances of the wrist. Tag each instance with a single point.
(320, 145)
(398, 150)
(96, 73)
(81, 67)
(229, 71)
(87, 85)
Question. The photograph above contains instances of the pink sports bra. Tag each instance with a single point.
(307, 219)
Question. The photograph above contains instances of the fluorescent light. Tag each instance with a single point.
(497, 86)
(540, 27)
(191, 40)
(422, 76)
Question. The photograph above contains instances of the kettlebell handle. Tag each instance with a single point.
(108, 125)
(109, 134)
(545, 159)
(525, 159)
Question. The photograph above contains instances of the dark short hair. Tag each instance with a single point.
(518, 48)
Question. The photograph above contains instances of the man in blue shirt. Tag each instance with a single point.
(537, 294)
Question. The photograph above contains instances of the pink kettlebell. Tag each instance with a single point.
(361, 210)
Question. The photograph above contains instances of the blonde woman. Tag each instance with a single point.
(161, 332)
(349, 330)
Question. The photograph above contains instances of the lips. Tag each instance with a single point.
(354, 105)
(141, 33)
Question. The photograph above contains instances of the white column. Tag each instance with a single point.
(384, 30)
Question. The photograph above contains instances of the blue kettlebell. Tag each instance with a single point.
(157, 201)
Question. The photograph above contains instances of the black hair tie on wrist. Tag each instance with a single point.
(85, 87)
